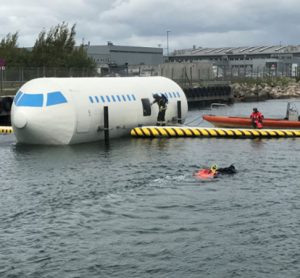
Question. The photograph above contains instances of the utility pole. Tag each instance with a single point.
(168, 42)
(1, 83)
(2, 68)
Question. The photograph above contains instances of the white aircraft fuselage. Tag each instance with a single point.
(61, 111)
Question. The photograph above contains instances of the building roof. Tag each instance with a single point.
(247, 50)
(105, 49)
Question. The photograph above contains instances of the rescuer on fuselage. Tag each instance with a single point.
(162, 106)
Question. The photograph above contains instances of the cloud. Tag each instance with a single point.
(210, 23)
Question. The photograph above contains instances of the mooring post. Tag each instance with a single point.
(179, 112)
(106, 125)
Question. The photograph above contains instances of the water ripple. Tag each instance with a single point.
(134, 209)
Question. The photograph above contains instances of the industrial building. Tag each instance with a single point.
(112, 56)
(252, 61)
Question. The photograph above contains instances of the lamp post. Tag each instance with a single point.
(168, 42)
(2, 68)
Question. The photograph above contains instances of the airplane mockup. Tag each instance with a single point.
(62, 111)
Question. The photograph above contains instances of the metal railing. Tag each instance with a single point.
(11, 78)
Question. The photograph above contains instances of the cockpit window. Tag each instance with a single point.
(17, 96)
(55, 98)
(36, 100)
(31, 100)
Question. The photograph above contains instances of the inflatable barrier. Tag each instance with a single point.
(5, 129)
(176, 131)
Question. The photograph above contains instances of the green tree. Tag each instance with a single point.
(57, 49)
(10, 41)
(10, 52)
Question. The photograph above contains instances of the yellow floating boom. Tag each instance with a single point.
(5, 129)
(182, 131)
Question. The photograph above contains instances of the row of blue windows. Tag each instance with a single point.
(172, 95)
(37, 100)
(119, 98)
(112, 98)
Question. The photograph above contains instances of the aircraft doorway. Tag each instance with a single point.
(146, 107)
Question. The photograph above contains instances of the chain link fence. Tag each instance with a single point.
(12, 78)
(187, 75)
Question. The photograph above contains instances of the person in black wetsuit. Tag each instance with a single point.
(227, 170)
(162, 106)
(214, 172)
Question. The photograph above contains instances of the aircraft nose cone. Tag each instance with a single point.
(20, 120)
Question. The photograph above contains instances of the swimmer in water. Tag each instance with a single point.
(214, 171)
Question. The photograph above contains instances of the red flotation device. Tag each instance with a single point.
(206, 174)
(258, 124)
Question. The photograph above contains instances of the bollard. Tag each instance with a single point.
(106, 125)
(179, 112)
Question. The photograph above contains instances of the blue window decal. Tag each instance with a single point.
(31, 100)
(178, 94)
(108, 99)
(170, 95)
(97, 99)
(102, 98)
(128, 97)
(118, 97)
(174, 94)
(113, 98)
(133, 97)
(123, 97)
(91, 99)
(55, 98)
(18, 95)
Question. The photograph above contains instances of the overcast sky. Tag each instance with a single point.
(206, 23)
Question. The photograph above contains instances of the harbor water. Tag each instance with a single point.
(134, 208)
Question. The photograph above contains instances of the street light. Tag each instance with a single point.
(168, 42)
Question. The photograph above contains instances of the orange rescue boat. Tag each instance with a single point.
(235, 122)
(291, 121)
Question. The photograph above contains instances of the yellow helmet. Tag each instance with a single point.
(214, 167)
